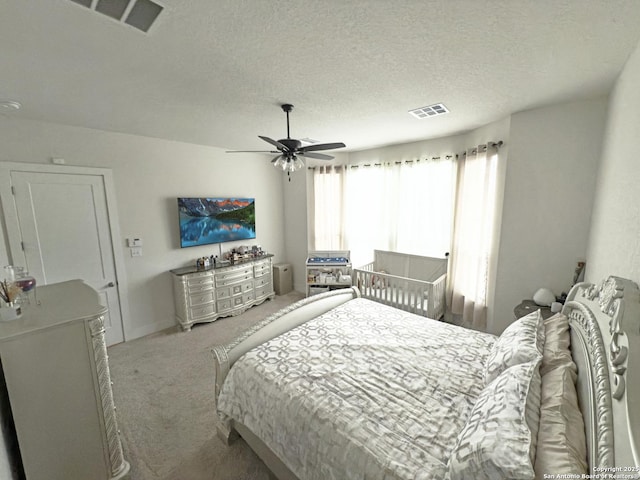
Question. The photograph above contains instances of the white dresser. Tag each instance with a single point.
(221, 291)
(56, 370)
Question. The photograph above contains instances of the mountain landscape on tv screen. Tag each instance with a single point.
(216, 220)
(208, 207)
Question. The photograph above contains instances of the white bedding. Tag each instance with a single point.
(364, 391)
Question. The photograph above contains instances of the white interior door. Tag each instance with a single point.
(65, 234)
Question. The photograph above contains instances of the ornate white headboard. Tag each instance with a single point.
(605, 343)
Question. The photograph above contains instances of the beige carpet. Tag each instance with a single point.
(163, 389)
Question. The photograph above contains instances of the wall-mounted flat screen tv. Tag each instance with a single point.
(216, 220)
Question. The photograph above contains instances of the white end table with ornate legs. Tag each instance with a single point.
(528, 306)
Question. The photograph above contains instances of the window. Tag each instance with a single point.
(403, 206)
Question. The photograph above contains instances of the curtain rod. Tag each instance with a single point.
(497, 145)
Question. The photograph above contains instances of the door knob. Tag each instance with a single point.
(111, 284)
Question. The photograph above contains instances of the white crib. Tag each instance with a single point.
(410, 282)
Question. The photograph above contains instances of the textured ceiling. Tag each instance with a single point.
(213, 72)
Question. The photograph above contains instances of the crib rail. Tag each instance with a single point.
(415, 296)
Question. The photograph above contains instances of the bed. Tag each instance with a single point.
(340, 387)
(414, 283)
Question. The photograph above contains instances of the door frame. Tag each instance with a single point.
(11, 224)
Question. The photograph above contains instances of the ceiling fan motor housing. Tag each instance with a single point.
(291, 143)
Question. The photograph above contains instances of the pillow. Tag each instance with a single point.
(500, 436)
(562, 446)
(556, 344)
(521, 342)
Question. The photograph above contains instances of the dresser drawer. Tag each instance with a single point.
(262, 268)
(263, 291)
(224, 305)
(248, 297)
(202, 274)
(201, 298)
(238, 301)
(202, 311)
(236, 296)
(234, 277)
(199, 279)
(242, 288)
(262, 281)
(223, 292)
(198, 289)
(229, 272)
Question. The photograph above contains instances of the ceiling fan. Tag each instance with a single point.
(289, 149)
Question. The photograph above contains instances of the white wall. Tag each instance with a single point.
(295, 214)
(550, 179)
(614, 243)
(149, 174)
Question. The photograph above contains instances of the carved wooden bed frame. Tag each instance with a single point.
(605, 340)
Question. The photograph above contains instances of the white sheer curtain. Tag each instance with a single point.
(424, 208)
(401, 206)
(473, 240)
(367, 215)
(328, 191)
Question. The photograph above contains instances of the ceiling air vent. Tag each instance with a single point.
(138, 13)
(430, 111)
(112, 8)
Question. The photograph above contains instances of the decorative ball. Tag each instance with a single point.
(544, 297)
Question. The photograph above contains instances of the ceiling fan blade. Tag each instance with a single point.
(319, 156)
(276, 144)
(322, 146)
(252, 151)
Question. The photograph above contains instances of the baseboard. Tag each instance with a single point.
(149, 329)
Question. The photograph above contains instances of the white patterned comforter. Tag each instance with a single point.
(364, 391)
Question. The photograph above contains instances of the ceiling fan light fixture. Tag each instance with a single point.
(289, 164)
(297, 163)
